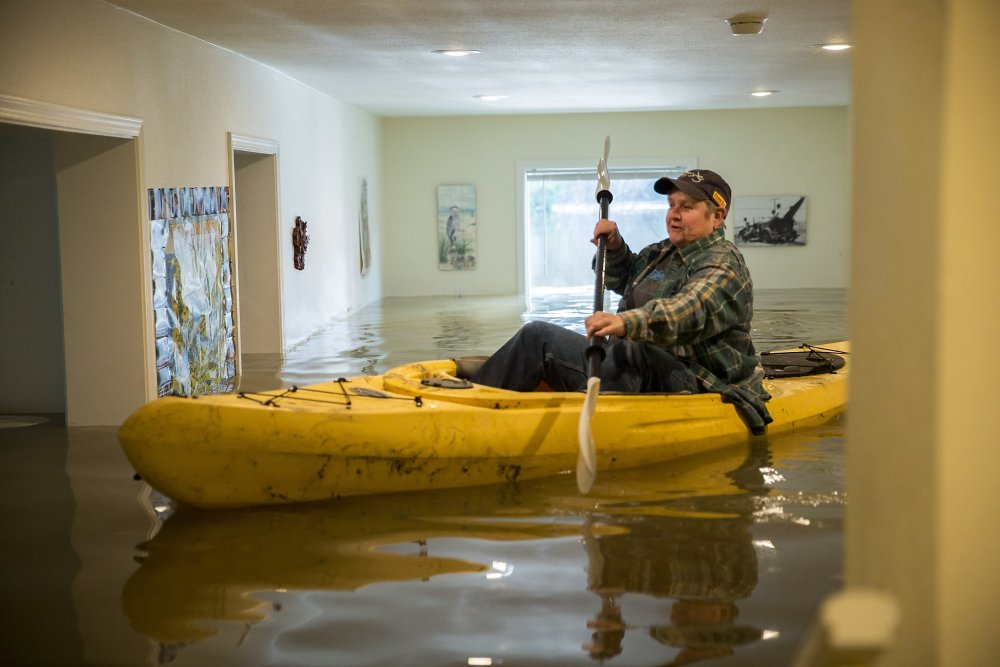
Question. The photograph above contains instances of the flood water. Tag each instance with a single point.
(721, 559)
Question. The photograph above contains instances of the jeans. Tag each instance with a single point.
(544, 351)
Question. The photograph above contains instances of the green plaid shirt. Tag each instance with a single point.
(700, 309)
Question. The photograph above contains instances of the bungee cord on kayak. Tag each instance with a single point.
(362, 392)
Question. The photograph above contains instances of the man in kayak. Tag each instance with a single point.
(683, 323)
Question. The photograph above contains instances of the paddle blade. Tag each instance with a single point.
(586, 462)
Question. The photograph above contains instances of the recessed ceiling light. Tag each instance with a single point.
(456, 53)
(833, 47)
(763, 93)
(490, 98)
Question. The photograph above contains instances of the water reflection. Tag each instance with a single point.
(703, 558)
(790, 317)
(679, 533)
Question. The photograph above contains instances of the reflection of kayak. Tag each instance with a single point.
(203, 567)
(678, 530)
(208, 566)
(419, 427)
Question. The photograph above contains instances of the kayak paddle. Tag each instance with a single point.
(586, 463)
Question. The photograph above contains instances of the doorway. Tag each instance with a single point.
(79, 316)
(77, 311)
(257, 257)
(32, 362)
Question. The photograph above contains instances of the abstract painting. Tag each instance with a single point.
(769, 220)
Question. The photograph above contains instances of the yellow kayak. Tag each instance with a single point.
(419, 427)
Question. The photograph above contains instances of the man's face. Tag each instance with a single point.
(688, 219)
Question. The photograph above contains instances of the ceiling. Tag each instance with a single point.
(545, 56)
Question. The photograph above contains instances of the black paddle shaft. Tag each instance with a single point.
(595, 353)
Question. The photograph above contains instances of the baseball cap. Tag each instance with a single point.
(700, 184)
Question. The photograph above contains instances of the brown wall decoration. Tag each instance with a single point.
(300, 241)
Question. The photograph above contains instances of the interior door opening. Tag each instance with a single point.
(257, 260)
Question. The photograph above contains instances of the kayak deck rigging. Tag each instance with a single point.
(272, 400)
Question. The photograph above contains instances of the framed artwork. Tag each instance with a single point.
(364, 239)
(189, 236)
(456, 227)
(769, 220)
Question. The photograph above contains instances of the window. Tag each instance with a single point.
(560, 212)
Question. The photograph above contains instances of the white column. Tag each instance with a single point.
(924, 418)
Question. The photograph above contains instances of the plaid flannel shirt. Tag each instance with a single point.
(700, 312)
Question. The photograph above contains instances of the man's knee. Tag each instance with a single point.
(537, 332)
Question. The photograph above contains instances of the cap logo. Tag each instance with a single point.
(693, 176)
(719, 199)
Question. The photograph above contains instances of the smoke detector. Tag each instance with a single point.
(746, 24)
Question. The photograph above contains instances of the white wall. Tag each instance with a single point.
(189, 96)
(760, 152)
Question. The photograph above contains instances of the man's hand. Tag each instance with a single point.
(605, 324)
(610, 228)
